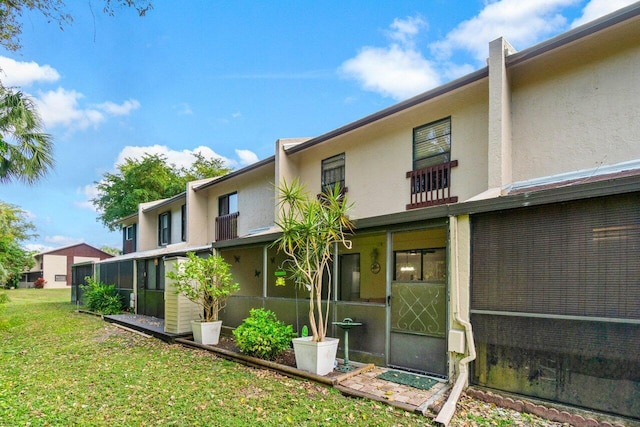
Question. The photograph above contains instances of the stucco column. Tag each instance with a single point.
(500, 162)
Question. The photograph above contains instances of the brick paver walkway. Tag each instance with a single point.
(366, 384)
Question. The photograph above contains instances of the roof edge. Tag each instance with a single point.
(574, 34)
(165, 202)
(401, 106)
(230, 175)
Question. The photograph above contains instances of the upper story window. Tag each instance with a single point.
(333, 172)
(432, 144)
(129, 232)
(129, 239)
(164, 228)
(431, 174)
(183, 219)
(227, 219)
(228, 204)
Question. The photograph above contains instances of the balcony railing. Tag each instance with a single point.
(227, 226)
(431, 186)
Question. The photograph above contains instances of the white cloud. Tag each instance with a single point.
(246, 157)
(597, 8)
(397, 71)
(401, 69)
(119, 110)
(90, 191)
(184, 109)
(394, 72)
(61, 108)
(37, 247)
(17, 73)
(522, 23)
(404, 31)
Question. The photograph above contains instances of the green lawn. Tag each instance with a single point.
(58, 367)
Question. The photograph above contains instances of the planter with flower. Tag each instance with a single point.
(208, 283)
(311, 227)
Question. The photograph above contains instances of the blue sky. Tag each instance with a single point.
(229, 78)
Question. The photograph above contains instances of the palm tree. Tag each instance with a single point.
(25, 151)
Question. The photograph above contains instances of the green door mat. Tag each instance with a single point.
(406, 378)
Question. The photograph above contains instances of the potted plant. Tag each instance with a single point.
(311, 227)
(208, 283)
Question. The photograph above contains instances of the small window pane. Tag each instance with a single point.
(129, 232)
(333, 171)
(233, 203)
(228, 204)
(432, 144)
(164, 222)
(349, 277)
(151, 274)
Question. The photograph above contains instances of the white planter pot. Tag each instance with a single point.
(206, 332)
(315, 357)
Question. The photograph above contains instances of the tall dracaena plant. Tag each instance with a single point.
(311, 227)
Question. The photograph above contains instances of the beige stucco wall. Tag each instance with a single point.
(148, 236)
(255, 200)
(379, 155)
(577, 108)
(197, 215)
(147, 229)
(54, 264)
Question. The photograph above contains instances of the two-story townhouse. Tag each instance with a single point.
(497, 223)
(157, 231)
(502, 206)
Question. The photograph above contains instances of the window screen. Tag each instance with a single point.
(432, 144)
(333, 172)
(554, 302)
(579, 258)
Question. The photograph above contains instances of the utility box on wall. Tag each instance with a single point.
(457, 341)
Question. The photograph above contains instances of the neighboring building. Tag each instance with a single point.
(55, 265)
(504, 205)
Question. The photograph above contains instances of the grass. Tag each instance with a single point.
(63, 368)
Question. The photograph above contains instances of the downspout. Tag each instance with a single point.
(449, 408)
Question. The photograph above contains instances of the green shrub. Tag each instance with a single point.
(263, 335)
(101, 298)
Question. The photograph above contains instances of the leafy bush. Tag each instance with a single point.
(263, 335)
(39, 283)
(101, 298)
